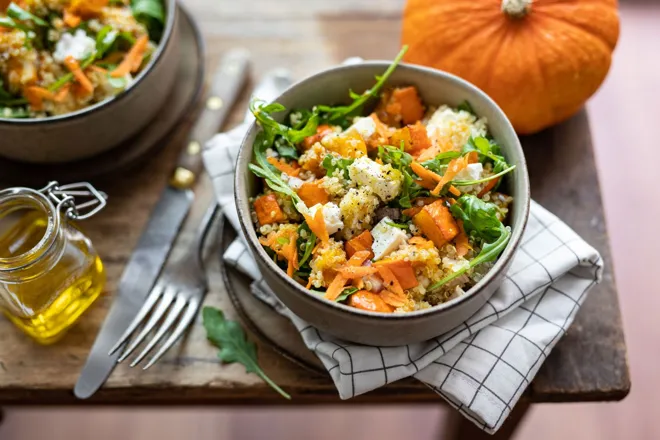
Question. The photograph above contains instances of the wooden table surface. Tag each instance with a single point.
(589, 363)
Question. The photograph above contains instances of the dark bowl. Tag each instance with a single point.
(104, 125)
(331, 87)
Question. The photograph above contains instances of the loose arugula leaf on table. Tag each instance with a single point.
(401, 161)
(334, 114)
(16, 12)
(481, 222)
(332, 163)
(234, 346)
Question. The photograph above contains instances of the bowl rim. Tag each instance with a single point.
(171, 15)
(245, 152)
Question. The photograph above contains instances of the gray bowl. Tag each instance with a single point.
(436, 88)
(102, 126)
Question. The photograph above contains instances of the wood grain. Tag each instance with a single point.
(305, 36)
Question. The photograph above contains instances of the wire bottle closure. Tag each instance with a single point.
(79, 201)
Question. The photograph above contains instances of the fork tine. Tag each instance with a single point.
(148, 304)
(174, 313)
(188, 316)
(163, 305)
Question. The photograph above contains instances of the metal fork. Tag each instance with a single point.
(180, 290)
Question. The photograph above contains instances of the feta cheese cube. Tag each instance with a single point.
(383, 180)
(78, 46)
(472, 172)
(387, 238)
(294, 182)
(331, 215)
(365, 127)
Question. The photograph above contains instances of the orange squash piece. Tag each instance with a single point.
(312, 193)
(268, 210)
(362, 242)
(321, 131)
(393, 299)
(390, 280)
(371, 302)
(359, 257)
(291, 169)
(402, 270)
(400, 105)
(348, 144)
(414, 139)
(436, 222)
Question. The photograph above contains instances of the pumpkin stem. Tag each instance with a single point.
(516, 8)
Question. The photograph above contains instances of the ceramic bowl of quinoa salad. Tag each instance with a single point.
(78, 77)
(387, 214)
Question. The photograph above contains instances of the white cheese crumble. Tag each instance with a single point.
(294, 182)
(383, 180)
(331, 215)
(365, 127)
(472, 172)
(387, 238)
(78, 46)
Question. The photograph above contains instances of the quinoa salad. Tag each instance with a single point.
(59, 56)
(391, 210)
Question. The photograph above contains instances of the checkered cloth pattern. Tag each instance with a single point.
(482, 366)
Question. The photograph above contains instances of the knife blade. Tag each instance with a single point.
(163, 226)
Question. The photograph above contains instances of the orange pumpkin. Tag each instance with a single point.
(539, 60)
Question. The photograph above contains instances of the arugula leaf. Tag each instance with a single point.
(309, 242)
(269, 173)
(332, 163)
(69, 76)
(104, 40)
(234, 346)
(480, 221)
(489, 151)
(263, 114)
(439, 162)
(397, 225)
(7, 22)
(4, 94)
(485, 179)
(151, 13)
(286, 150)
(18, 13)
(336, 113)
(343, 296)
(14, 113)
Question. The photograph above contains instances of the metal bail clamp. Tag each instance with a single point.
(80, 200)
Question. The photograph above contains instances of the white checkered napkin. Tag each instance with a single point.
(481, 367)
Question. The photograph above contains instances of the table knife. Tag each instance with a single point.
(163, 226)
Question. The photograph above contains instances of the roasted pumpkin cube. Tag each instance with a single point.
(414, 138)
(312, 193)
(401, 105)
(402, 270)
(437, 223)
(346, 144)
(268, 210)
(362, 242)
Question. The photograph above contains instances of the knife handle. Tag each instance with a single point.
(225, 86)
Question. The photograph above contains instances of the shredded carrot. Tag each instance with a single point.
(35, 96)
(359, 283)
(455, 166)
(424, 173)
(62, 93)
(391, 282)
(336, 287)
(309, 283)
(286, 168)
(472, 157)
(78, 74)
(462, 243)
(70, 19)
(352, 272)
(489, 185)
(133, 58)
(291, 253)
(358, 258)
(317, 225)
(455, 191)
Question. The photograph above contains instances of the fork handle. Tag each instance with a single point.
(203, 230)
